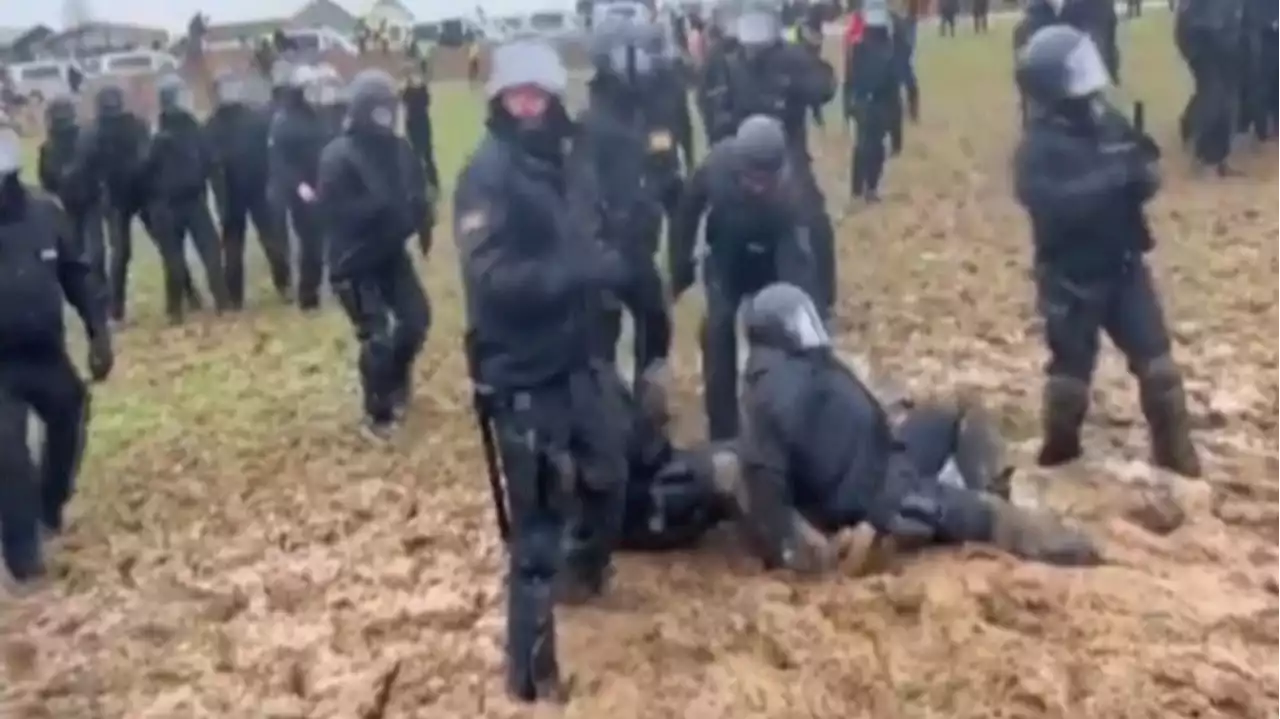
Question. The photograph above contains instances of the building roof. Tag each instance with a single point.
(239, 30)
(111, 27)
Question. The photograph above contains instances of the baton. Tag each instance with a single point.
(480, 395)
(1140, 116)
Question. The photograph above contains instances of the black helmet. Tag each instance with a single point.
(373, 100)
(109, 101)
(1060, 63)
(60, 114)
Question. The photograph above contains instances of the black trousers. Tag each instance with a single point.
(172, 222)
(306, 226)
(391, 315)
(642, 296)
(875, 121)
(238, 207)
(563, 453)
(1207, 118)
(1126, 307)
(48, 385)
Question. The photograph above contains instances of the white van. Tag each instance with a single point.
(319, 40)
(136, 62)
(44, 79)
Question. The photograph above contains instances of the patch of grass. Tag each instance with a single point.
(235, 551)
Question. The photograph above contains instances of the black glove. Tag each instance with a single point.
(101, 357)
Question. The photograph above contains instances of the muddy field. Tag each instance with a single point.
(236, 551)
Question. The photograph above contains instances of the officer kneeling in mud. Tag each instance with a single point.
(756, 233)
(533, 275)
(41, 263)
(818, 454)
(372, 196)
(1083, 173)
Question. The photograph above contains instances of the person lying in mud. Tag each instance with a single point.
(818, 454)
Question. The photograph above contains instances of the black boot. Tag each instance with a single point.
(1164, 404)
(1040, 537)
(1066, 400)
(533, 672)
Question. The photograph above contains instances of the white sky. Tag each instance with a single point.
(173, 14)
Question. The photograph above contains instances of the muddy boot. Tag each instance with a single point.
(1164, 404)
(980, 452)
(1066, 400)
(1040, 537)
(533, 673)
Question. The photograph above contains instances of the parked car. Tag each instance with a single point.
(134, 62)
(45, 79)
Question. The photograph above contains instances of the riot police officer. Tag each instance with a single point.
(325, 93)
(1083, 173)
(177, 171)
(236, 134)
(875, 90)
(41, 264)
(533, 275)
(110, 155)
(756, 233)
(767, 76)
(80, 197)
(416, 98)
(1209, 36)
(614, 149)
(818, 454)
(373, 196)
(297, 135)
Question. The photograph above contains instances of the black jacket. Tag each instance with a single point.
(1084, 188)
(372, 197)
(814, 440)
(529, 254)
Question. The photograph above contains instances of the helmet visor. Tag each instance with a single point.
(1086, 73)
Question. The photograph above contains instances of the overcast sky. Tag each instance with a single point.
(173, 14)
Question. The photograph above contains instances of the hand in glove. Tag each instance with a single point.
(101, 356)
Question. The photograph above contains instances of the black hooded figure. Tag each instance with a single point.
(41, 266)
(177, 169)
(372, 196)
(236, 134)
(81, 199)
(298, 133)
